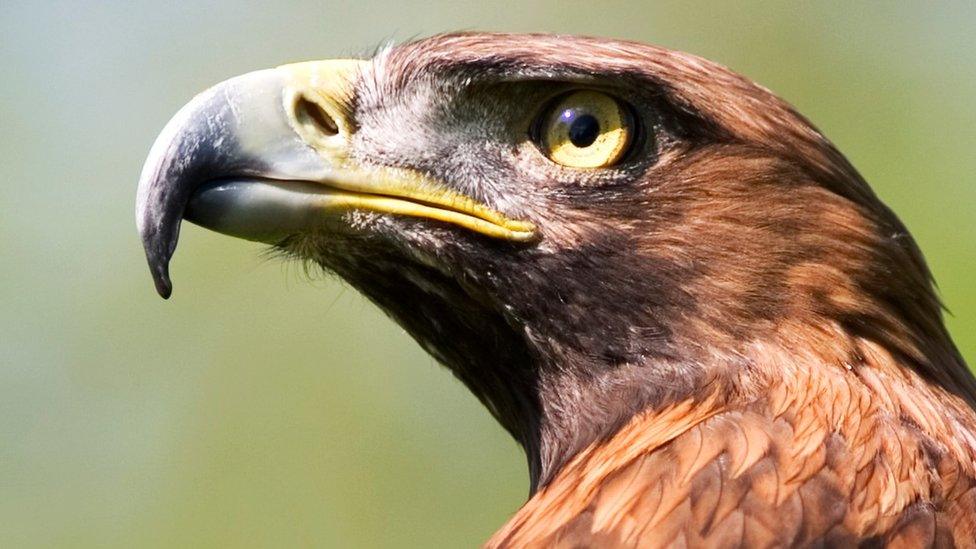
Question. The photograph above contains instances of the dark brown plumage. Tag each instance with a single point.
(722, 339)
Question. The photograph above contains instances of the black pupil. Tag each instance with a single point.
(583, 128)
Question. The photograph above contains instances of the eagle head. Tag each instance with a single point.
(579, 229)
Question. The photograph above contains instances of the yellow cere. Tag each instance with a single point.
(586, 129)
(321, 90)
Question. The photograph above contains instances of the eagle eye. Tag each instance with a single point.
(585, 129)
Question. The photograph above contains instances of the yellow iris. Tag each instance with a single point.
(586, 129)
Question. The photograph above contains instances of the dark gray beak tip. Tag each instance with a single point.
(160, 247)
(163, 284)
(159, 268)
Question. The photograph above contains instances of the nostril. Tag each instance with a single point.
(312, 113)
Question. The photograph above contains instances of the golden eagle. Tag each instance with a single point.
(688, 307)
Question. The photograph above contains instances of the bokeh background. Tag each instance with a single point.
(259, 408)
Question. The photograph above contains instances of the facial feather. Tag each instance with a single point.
(736, 222)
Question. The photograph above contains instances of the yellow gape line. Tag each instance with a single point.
(508, 230)
(587, 129)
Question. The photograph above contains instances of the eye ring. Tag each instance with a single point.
(585, 129)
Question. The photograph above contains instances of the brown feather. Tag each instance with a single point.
(841, 462)
(802, 389)
(735, 343)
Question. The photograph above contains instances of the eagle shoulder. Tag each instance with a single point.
(825, 455)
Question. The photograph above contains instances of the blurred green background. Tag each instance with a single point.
(257, 408)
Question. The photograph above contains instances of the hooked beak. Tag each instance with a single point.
(265, 155)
